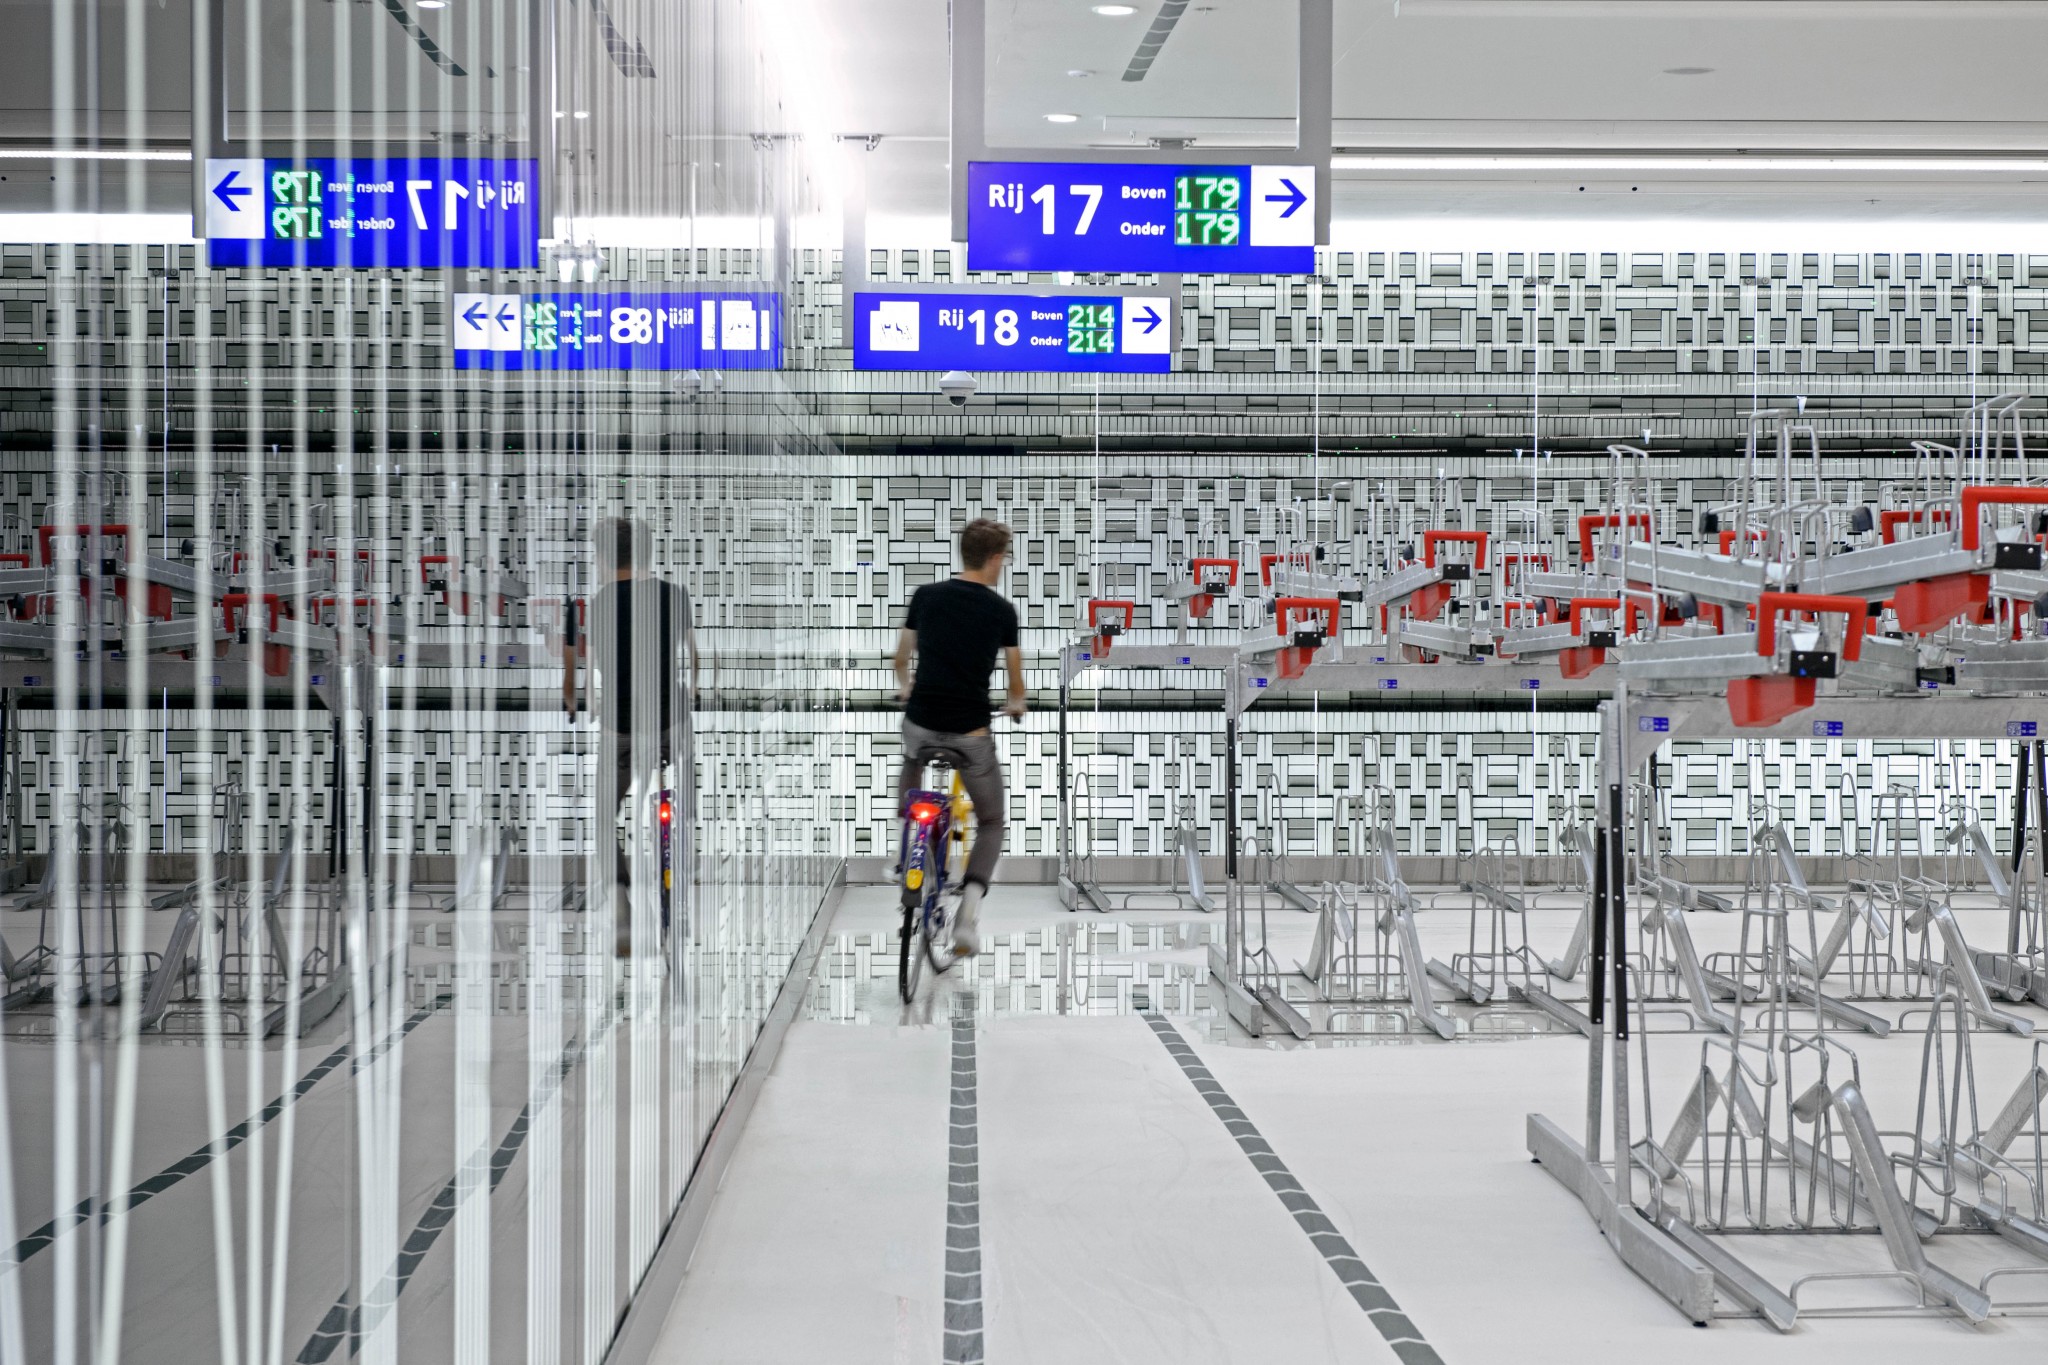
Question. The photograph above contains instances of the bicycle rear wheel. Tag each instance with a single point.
(910, 960)
(935, 932)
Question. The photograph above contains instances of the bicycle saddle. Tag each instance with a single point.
(940, 753)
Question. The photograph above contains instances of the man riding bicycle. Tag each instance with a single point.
(643, 675)
(955, 627)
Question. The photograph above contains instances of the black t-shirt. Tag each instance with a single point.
(960, 627)
(622, 613)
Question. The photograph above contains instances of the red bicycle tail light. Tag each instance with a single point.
(667, 812)
(924, 812)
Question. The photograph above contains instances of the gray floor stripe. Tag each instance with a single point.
(347, 1322)
(963, 1206)
(1351, 1272)
(199, 1160)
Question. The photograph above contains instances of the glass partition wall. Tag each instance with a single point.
(349, 1011)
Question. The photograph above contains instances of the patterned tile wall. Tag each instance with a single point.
(1417, 378)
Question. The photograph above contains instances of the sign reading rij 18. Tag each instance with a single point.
(1031, 215)
(1082, 333)
(418, 212)
(618, 330)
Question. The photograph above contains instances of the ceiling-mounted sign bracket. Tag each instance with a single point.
(1311, 149)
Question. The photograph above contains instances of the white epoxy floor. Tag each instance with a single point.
(1120, 1221)
(306, 1212)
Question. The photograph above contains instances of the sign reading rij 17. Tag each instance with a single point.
(404, 212)
(619, 330)
(1088, 334)
(1104, 216)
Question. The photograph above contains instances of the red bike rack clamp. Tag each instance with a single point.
(277, 659)
(1105, 632)
(1891, 519)
(45, 535)
(1267, 561)
(1538, 559)
(1977, 497)
(1295, 655)
(1476, 539)
(1200, 603)
(1771, 605)
(1579, 661)
(450, 572)
(1593, 521)
(1757, 702)
(1631, 616)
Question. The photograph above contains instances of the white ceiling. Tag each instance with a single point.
(1573, 76)
(1577, 78)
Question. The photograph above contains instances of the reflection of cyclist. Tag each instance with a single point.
(639, 634)
(955, 627)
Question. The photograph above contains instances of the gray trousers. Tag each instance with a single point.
(983, 779)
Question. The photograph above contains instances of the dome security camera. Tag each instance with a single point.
(958, 386)
(693, 384)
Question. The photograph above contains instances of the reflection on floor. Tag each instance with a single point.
(495, 1122)
(1131, 1142)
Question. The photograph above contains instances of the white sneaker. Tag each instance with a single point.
(966, 934)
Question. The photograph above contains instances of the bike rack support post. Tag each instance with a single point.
(1617, 878)
(1066, 829)
(1596, 971)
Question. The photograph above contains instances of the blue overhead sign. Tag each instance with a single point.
(1076, 333)
(618, 329)
(1105, 216)
(404, 212)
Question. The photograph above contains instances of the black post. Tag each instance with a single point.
(1066, 792)
(1596, 973)
(1230, 790)
(366, 775)
(1617, 881)
(7, 792)
(337, 809)
(1596, 995)
(2022, 797)
(2022, 780)
(2041, 799)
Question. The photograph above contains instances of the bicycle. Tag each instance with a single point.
(932, 851)
(661, 810)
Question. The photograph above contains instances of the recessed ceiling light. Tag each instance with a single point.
(1080, 73)
(433, 4)
(1062, 118)
(1687, 70)
(582, 113)
(1116, 11)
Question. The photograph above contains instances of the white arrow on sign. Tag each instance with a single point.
(237, 199)
(1146, 326)
(486, 322)
(1283, 206)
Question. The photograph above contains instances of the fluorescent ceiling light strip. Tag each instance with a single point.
(1815, 232)
(90, 154)
(146, 229)
(1477, 162)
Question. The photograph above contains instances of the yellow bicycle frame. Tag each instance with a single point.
(956, 862)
